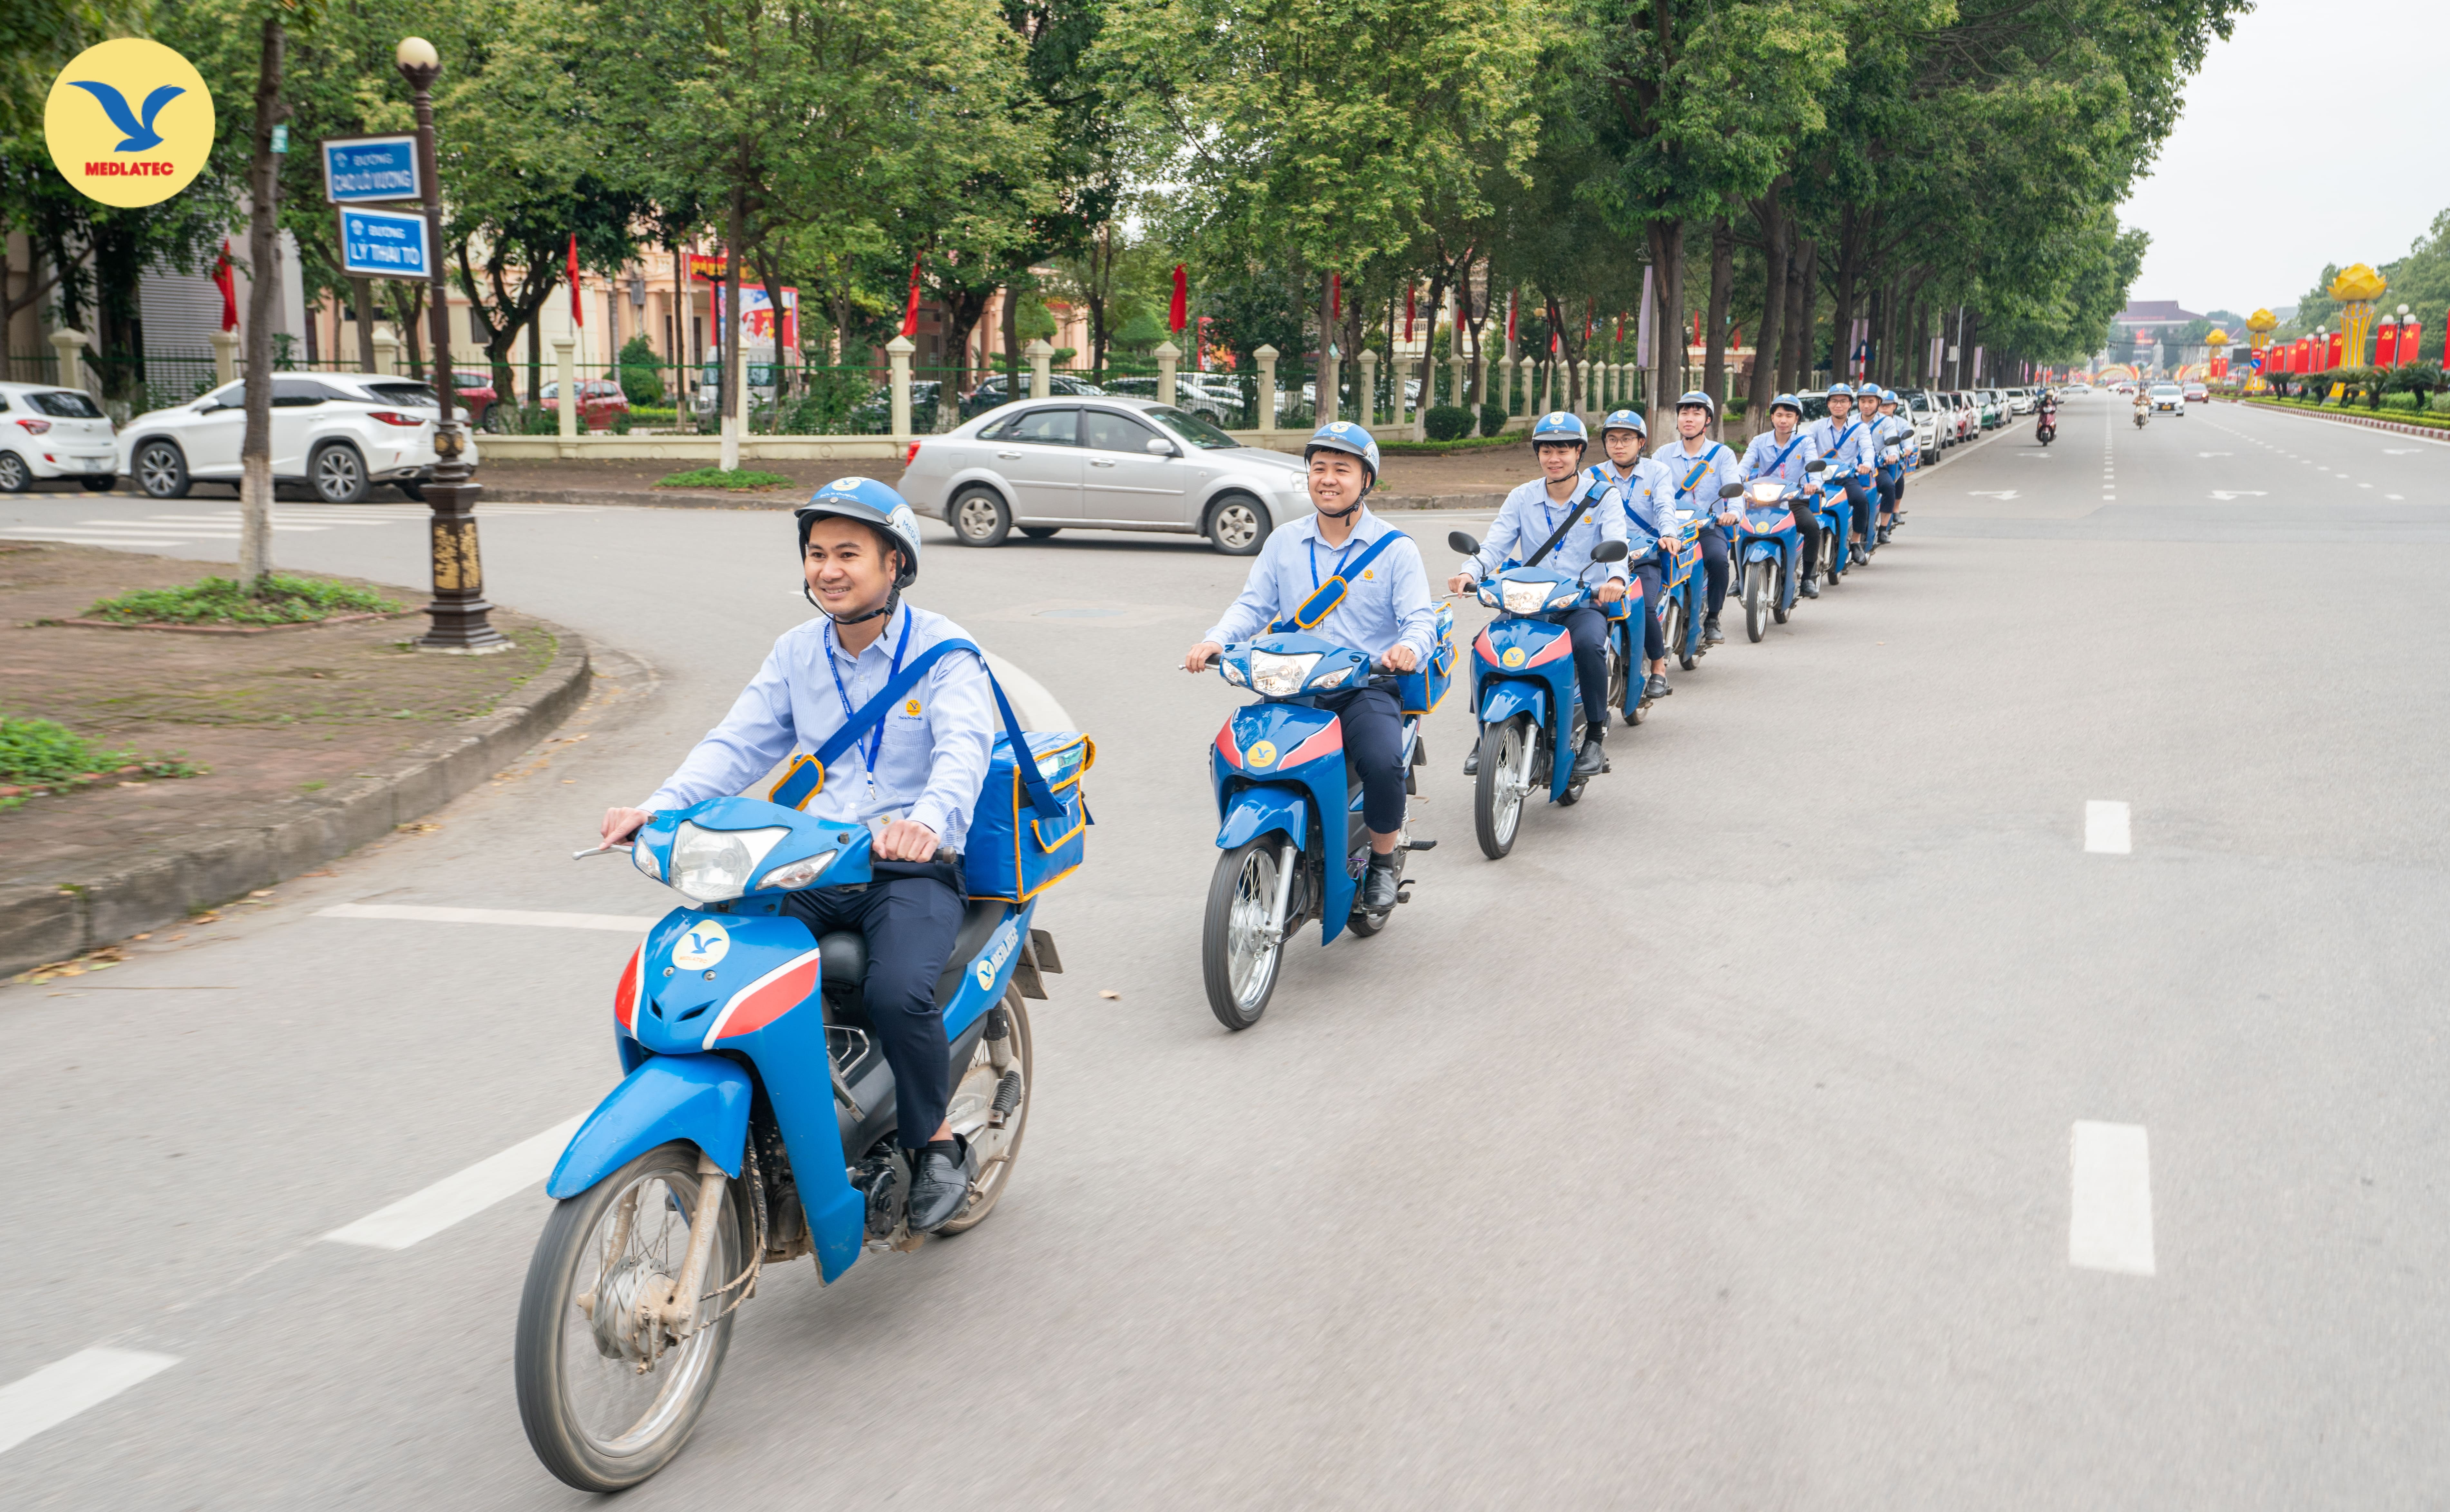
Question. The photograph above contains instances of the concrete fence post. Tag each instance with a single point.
(564, 372)
(1454, 375)
(897, 357)
(1583, 385)
(226, 349)
(1266, 419)
(1369, 395)
(1167, 356)
(68, 347)
(387, 343)
(1041, 368)
(1480, 379)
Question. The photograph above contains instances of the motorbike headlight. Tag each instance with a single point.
(643, 857)
(1486, 593)
(711, 865)
(796, 874)
(1765, 492)
(1524, 598)
(1234, 675)
(1333, 679)
(1281, 676)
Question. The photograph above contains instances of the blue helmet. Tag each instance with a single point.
(871, 503)
(1557, 426)
(1788, 401)
(1625, 420)
(1342, 435)
(1836, 389)
(1695, 397)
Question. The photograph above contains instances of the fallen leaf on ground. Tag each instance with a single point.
(1103, 994)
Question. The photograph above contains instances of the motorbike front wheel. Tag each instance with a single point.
(1236, 959)
(1757, 597)
(1672, 631)
(606, 1394)
(1497, 792)
(1779, 607)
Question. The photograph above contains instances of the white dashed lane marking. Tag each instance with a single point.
(622, 923)
(464, 1194)
(57, 1392)
(2110, 1198)
(2105, 826)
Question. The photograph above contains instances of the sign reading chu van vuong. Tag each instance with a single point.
(384, 245)
(128, 122)
(362, 169)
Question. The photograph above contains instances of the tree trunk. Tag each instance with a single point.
(1802, 312)
(1768, 351)
(733, 376)
(1888, 333)
(361, 296)
(1430, 342)
(255, 455)
(1666, 240)
(682, 314)
(1722, 279)
(409, 304)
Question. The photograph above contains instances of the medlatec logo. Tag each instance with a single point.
(126, 154)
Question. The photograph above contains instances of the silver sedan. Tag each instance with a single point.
(1103, 464)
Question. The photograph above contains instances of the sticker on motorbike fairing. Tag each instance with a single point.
(1514, 656)
(705, 943)
(993, 962)
(1262, 753)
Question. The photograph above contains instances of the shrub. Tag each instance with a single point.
(639, 377)
(1448, 422)
(716, 477)
(1492, 418)
(278, 600)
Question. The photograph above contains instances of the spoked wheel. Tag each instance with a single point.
(990, 1109)
(1236, 957)
(1831, 568)
(1780, 608)
(1756, 604)
(1497, 792)
(607, 1393)
(1672, 626)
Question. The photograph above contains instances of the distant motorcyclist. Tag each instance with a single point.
(1846, 441)
(1785, 451)
(1386, 611)
(1899, 445)
(1532, 513)
(1699, 467)
(1645, 493)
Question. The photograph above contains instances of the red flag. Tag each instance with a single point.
(1335, 295)
(910, 311)
(577, 310)
(1410, 291)
(227, 281)
(1178, 314)
(1510, 316)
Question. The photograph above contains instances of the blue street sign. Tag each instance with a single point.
(384, 245)
(371, 169)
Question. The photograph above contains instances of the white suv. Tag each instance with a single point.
(2168, 397)
(337, 433)
(51, 432)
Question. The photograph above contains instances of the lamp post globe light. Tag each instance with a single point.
(460, 615)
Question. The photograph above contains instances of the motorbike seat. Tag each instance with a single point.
(842, 957)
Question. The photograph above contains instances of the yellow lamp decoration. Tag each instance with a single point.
(2356, 288)
(2216, 338)
(2259, 327)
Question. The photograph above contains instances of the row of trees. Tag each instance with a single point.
(1799, 171)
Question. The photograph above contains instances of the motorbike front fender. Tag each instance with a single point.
(1254, 810)
(702, 1098)
(1504, 698)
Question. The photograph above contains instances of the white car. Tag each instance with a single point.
(1920, 409)
(2020, 401)
(51, 432)
(2168, 397)
(339, 434)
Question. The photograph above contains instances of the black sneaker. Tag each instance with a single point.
(1811, 587)
(1592, 760)
(1471, 761)
(1657, 687)
(1379, 883)
(940, 1181)
(1710, 635)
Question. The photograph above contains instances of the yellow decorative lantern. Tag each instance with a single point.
(2356, 288)
(2259, 327)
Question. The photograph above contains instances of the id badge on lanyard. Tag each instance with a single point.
(871, 746)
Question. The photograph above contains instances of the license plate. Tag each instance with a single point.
(94, 461)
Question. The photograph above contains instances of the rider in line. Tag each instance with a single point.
(1847, 444)
(858, 548)
(1387, 612)
(1897, 445)
(1783, 452)
(1531, 514)
(1697, 468)
(1644, 490)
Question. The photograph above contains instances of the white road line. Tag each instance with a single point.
(621, 924)
(57, 1392)
(2109, 1209)
(65, 539)
(2105, 826)
(423, 1215)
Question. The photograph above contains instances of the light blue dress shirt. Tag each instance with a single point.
(933, 756)
(1529, 516)
(1855, 454)
(1702, 497)
(1388, 603)
(1645, 493)
(1759, 457)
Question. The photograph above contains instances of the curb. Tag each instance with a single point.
(53, 921)
(641, 498)
(228, 629)
(2422, 433)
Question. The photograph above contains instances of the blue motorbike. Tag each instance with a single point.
(1290, 829)
(1836, 515)
(1768, 549)
(722, 1148)
(1524, 689)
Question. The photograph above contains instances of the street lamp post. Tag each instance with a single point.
(460, 613)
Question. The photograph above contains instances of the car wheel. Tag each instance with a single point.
(336, 472)
(414, 491)
(1237, 525)
(162, 470)
(15, 476)
(97, 483)
(979, 518)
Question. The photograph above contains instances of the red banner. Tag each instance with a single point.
(910, 311)
(1178, 313)
(578, 308)
(706, 269)
(1410, 291)
(2411, 338)
(224, 279)
(2386, 344)
(2336, 337)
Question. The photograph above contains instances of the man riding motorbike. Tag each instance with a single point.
(1386, 611)
(1783, 452)
(1898, 444)
(858, 548)
(1698, 468)
(1642, 491)
(1846, 441)
(1531, 514)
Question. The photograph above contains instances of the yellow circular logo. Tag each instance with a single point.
(911, 709)
(129, 122)
(1263, 753)
(1514, 656)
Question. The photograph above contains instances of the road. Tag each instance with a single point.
(1981, 1047)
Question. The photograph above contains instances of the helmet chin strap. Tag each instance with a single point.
(892, 600)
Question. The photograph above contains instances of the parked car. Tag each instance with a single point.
(991, 391)
(339, 434)
(2020, 401)
(1215, 403)
(46, 430)
(1924, 413)
(2168, 397)
(474, 395)
(1103, 463)
(599, 401)
(2198, 394)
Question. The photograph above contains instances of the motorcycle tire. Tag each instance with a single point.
(1497, 816)
(1238, 990)
(1780, 609)
(981, 1080)
(1757, 594)
(1366, 924)
(557, 1346)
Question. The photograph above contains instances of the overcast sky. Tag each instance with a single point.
(2245, 208)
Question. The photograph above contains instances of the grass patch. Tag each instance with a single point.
(739, 478)
(1474, 443)
(38, 757)
(281, 600)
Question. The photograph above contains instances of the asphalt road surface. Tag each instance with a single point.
(1981, 1047)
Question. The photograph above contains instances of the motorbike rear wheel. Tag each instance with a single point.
(1672, 627)
(1757, 601)
(1780, 609)
(1237, 960)
(594, 1418)
(1497, 792)
(974, 1097)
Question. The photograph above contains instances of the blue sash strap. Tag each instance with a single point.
(1025, 761)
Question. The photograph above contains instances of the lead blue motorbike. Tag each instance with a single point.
(755, 1122)
(1837, 516)
(1290, 829)
(1525, 692)
(1768, 548)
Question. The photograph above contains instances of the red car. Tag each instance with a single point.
(599, 401)
(474, 395)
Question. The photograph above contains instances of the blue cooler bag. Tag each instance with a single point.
(1419, 693)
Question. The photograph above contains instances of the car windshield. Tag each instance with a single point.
(1919, 402)
(420, 395)
(66, 403)
(1192, 429)
(2163, 390)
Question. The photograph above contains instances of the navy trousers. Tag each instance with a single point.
(1373, 748)
(1652, 576)
(1588, 629)
(1860, 497)
(1714, 564)
(909, 916)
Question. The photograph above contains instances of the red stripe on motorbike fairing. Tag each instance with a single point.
(766, 999)
(1562, 645)
(1225, 746)
(1484, 647)
(625, 996)
(1329, 739)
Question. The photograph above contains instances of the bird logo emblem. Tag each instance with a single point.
(141, 135)
(128, 122)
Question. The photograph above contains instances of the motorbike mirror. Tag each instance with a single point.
(1731, 490)
(1463, 542)
(1610, 552)
(1819, 464)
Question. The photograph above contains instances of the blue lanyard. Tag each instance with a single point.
(874, 744)
(1341, 557)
